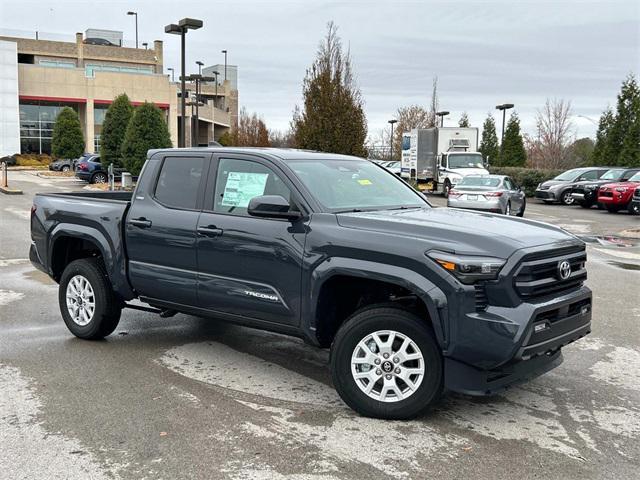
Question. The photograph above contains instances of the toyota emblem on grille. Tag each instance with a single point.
(564, 270)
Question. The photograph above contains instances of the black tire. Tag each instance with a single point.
(634, 208)
(65, 168)
(99, 177)
(522, 208)
(365, 322)
(446, 188)
(507, 209)
(585, 204)
(612, 208)
(107, 307)
(566, 198)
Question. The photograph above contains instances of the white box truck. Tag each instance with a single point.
(441, 156)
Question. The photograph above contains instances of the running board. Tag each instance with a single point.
(144, 309)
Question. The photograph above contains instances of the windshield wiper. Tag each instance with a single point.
(350, 210)
(404, 207)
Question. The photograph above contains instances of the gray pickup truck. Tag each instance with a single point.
(333, 249)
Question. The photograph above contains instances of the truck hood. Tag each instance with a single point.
(630, 185)
(468, 171)
(459, 231)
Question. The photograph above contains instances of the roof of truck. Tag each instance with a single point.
(281, 153)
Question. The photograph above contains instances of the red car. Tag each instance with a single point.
(618, 196)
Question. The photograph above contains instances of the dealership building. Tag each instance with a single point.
(40, 77)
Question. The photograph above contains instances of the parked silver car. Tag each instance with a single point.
(492, 193)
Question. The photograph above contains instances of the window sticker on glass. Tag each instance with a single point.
(364, 181)
(241, 187)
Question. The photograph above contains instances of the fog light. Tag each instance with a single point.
(584, 310)
(540, 327)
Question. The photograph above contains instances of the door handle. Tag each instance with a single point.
(210, 231)
(140, 222)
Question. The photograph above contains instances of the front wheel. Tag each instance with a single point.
(87, 302)
(566, 198)
(385, 363)
(586, 204)
(446, 188)
(634, 208)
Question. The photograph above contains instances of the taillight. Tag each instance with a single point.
(493, 194)
(83, 166)
(453, 193)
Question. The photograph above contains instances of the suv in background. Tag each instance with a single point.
(617, 196)
(90, 169)
(559, 188)
(586, 193)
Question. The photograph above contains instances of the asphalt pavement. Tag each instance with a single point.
(186, 397)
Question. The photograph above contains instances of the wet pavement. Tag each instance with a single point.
(191, 398)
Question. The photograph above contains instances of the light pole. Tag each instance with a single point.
(136, 15)
(197, 79)
(173, 78)
(225, 64)
(504, 107)
(200, 64)
(215, 102)
(588, 118)
(181, 29)
(442, 114)
(392, 122)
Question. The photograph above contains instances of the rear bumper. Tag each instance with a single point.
(507, 346)
(82, 175)
(35, 259)
(487, 205)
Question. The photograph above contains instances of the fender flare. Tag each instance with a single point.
(432, 296)
(113, 264)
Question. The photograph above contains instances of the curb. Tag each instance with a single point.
(10, 191)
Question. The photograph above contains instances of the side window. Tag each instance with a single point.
(178, 182)
(628, 174)
(238, 181)
(508, 184)
(590, 175)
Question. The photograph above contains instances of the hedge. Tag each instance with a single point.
(527, 178)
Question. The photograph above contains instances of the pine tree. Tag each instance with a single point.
(114, 128)
(489, 144)
(630, 154)
(621, 132)
(512, 152)
(68, 139)
(147, 129)
(464, 120)
(602, 139)
(332, 117)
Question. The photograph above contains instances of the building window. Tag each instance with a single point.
(36, 124)
(91, 69)
(99, 112)
(56, 64)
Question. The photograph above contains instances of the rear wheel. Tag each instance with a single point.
(87, 302)
(507, 209)
(566, 198)
(385, 363)
(446, 188)
(522, 208)
(66, 168)
(99, 177)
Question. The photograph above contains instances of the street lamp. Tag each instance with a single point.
(588, 118)
(442, 114)
(173, 78)
(200, 64)
(216, 81)
(136, 15)
(392, 122)
(504, 107)
(197, 79)
(225, 64)
(181, 29)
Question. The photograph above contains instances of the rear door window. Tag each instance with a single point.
(179, 182)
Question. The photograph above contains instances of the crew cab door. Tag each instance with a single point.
(249, 266)
(161, 227)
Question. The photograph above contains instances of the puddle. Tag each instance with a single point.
(625, 266)
(611, 241)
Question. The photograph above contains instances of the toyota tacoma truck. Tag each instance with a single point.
(412, 300)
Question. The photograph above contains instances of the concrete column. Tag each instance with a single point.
(157, 47)
(80, 47)
(89, 127)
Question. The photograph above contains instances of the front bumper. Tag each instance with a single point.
(584, 196)
(501, 346)
(545, 195)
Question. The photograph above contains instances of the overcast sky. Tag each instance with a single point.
(483, 53)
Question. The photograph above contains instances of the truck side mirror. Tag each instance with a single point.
(271, 206)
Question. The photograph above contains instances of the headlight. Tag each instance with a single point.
(621, 189)
(468, 269)
(591, 187)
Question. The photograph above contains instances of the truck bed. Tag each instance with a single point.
(96, 218)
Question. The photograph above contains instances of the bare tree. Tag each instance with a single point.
(251, 131)
(551, 145)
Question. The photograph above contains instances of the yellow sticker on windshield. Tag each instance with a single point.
(364, 182)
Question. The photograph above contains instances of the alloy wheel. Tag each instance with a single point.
(81, 301)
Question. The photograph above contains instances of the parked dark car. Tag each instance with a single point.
(634, 207)
(89, 169)
(586, 193)
(331, 249)
(63, 165)
(10, 160)
(99, 41)
(559, 188)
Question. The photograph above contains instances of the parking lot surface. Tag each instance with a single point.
(186, 397)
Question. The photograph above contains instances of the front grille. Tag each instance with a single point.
(538, 276)
(636, 194)
(481, 297)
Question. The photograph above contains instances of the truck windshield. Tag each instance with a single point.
(465, 161)
(348, 185)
